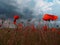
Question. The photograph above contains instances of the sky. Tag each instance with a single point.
(29, 8)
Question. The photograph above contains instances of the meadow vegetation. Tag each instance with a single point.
(29, 36)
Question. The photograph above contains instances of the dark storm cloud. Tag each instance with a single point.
(9, 10)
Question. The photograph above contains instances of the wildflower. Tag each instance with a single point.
(53, 29)
(15, 18)
(45, 28)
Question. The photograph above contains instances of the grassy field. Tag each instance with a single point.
(28, 36)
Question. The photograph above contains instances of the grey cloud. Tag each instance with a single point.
(9, 10)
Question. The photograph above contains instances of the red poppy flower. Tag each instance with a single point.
(48, 17)
(53, 29)
(15, 18)
(55, 18)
